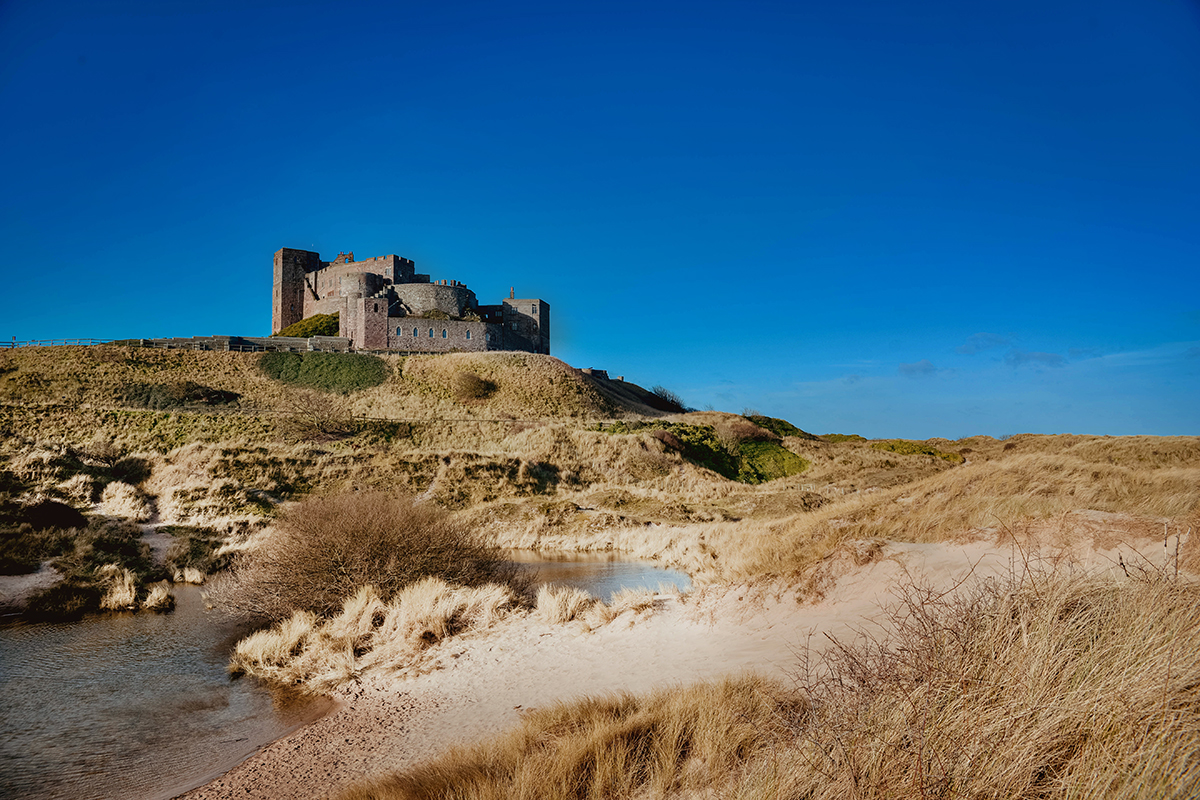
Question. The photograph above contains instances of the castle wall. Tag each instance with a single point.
(472, 337)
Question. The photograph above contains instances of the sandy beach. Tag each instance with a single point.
(485, 682)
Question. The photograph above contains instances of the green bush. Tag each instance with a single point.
(316, 325)
(767, 461)
(836, 438)
(907, 447)
(329, 372)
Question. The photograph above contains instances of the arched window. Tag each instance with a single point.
(468, 334)
(443, 333)
(415, 333)
(431, 333)
(397, 331)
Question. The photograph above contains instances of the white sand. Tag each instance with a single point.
(386, 725)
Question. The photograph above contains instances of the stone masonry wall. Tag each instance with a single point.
(448, 335)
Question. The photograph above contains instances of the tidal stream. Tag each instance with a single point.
(140, 707)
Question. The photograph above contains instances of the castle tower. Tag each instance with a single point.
(287, 294)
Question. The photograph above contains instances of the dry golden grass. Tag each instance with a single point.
(121, 500)
(1047, 687)
(159, 598)
(616, 747)
(119, 586)
(397, 637)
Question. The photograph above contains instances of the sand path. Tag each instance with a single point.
(384, 724)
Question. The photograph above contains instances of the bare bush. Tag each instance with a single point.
(670, 400)
(468, 387)
(325, 549)
(315, 416)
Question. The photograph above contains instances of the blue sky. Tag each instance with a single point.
(895, 218)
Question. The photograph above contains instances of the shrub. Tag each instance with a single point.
(329, 372)
(316, 325)
(174, 395)
(837, 438)
(325, 549)
(316, 417)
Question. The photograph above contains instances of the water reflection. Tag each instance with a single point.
(132, 705)
(600, 574)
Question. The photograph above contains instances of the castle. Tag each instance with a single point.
(383, 304)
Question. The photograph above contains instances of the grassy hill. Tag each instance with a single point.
(530, 449)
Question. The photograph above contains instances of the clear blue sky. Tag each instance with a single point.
(892, 218)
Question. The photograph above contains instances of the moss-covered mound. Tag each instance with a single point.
(316, 325)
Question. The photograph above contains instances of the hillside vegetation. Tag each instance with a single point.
(1055, 685)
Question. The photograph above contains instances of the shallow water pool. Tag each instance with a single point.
(131, 705)
(600, 574)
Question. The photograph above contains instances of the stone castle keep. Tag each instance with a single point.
(384, 304)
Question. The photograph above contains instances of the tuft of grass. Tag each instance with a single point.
(316, 325)
(560, 604)
(398, 636)
(329, 372)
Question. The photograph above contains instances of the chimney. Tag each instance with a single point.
(511, 292)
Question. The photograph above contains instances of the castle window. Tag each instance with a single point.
(377, 306)
(468, 334)
(443, 333)
(397, 331)
(415, 334)
(533, 309)
(431, 333)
